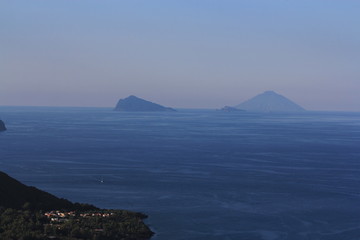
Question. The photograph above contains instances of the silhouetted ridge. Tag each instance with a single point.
(270, 101)
(2, 126)
(14, 194)
(135, 104)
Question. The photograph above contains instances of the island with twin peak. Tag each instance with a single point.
(29, 213)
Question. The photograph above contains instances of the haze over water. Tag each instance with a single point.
(179, 53)
(197, 174)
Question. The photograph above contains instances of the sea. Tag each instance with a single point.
(197, 174)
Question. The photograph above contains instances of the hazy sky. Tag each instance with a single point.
(184, 53)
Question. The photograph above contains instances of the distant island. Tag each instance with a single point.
(29, 213)
(2, 126)
(135, 104)
(270, 101)
(230, 109)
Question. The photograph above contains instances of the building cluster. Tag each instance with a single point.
(96, 214)
(59, 216)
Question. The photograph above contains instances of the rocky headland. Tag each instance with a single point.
(29, 213)
(2, 126)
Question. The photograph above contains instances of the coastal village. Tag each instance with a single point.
(60, 217)
(95, 224)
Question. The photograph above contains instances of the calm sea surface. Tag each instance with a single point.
(198, 174)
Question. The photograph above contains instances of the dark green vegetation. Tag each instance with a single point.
(27, 213)
(2, 126)
(135, 104)
(21, 224)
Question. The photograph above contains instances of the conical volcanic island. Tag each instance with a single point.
(270, 101)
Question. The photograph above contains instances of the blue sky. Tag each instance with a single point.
(184, 53)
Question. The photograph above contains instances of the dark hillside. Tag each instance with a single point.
(14, 194)
(29, 213)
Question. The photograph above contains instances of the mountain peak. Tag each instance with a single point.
(269, 92)
(133, 96)
(270, 101)
(135, 104)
